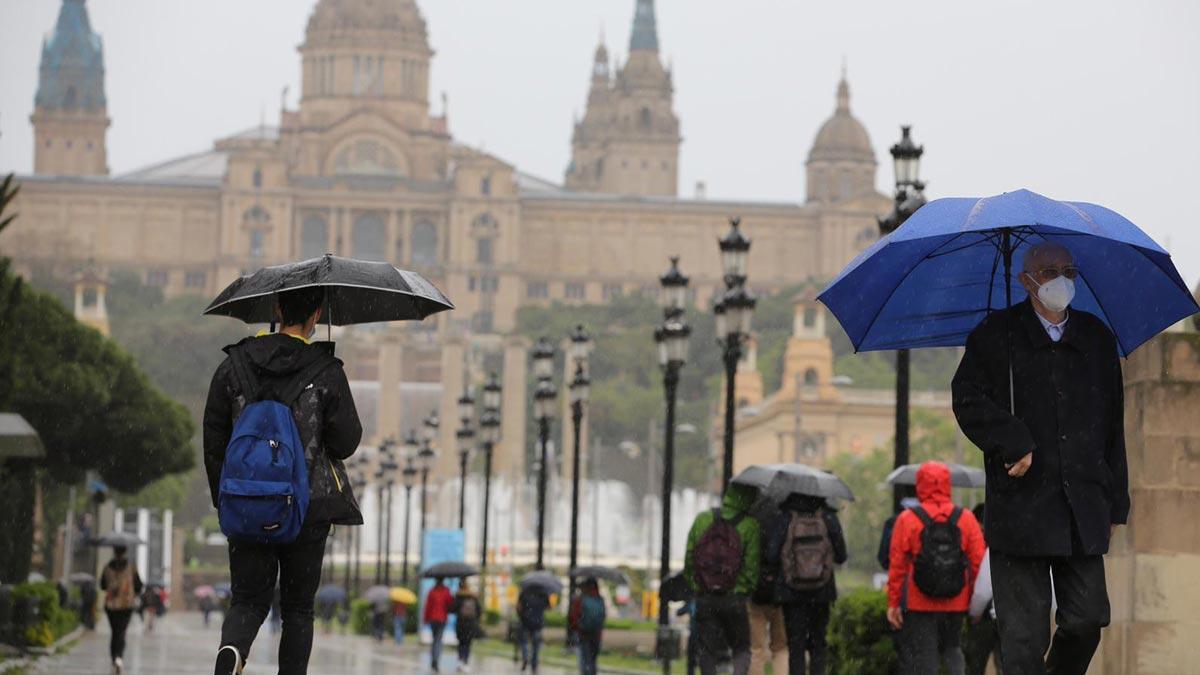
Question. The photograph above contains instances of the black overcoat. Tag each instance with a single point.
(1069, 413)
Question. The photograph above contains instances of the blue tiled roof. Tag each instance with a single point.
(72, 69)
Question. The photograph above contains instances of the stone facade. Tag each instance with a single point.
(1153, 566)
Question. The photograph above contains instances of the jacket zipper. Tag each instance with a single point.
(336, 480)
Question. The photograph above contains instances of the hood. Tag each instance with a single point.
(933, 482)
(739, 498)
(277, 355)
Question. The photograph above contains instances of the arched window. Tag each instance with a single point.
(257, 177)
(258, 243)
(810, 377)
(370, 237)
(424, 244)
(314, 238)
(646, 119)
(810, 317)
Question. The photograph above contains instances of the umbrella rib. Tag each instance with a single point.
(871, 323)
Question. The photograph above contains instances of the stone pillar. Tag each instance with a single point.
(391, 355)
(1152, 566)
(509, 458)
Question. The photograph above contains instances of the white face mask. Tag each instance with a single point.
(1056, 294)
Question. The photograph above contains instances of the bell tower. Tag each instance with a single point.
(70, 116)
(808, 359)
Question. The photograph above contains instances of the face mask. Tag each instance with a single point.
(1057, 294)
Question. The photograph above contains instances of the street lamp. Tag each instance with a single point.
(489, 433)
(466, 440)
(579, 388)
(425, 457)
(544, 397)
(734, 314)
(387, 468)
(412, 446)
(672, 339)
(906, 158)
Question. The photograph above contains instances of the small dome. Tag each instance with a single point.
(842, 137)
(358, 20)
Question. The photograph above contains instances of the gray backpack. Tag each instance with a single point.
(807, 559)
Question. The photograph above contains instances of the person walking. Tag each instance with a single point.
(768, 636)
(722, 567)
(907, 501)
(399, 621)
(531, 617)
(1039, 391)
(122, 585)
(437, 612)
(936, 551)
(287, 368)
(468, 613)
(586, 619)
(382, 615)
(804, 543)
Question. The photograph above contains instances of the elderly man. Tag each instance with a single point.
(1054, 453)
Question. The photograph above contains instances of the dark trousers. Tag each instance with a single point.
(465, 630)
(979, 643)
(933, 638)
(806, 625)
(530, 640)
(254, 569)
(1022, 599)
(436, 629)
(722, 623)
(589, 652)
(118, 621)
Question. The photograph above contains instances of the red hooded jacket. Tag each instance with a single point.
(933, 489)
(437, 604)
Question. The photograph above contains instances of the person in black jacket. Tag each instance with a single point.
(805, 612)
(330, 431)
(1054, 453)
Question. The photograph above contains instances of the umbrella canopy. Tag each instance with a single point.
(402, 595)
(117, 539)
(960, 475)
(778, 481)
(331, 594)
(931, 282)
(377, 595)
(541, 580)
(676, 589)
(600, 572)
(449, 570)
(357, 291)
(19, 440)
(204, 591)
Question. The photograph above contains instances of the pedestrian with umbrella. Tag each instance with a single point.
(532, 603)
(278, 424)
(1039, 388)
(122, 585)
(328, 599)
(402, 599)
(437, 613)
(380, 599)
(468, 613)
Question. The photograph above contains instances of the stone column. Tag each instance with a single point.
(509, 458)
(391, 355)
(1152, 567)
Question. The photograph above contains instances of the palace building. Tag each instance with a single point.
(363, 166)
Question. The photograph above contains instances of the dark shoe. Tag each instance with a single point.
(229, 661)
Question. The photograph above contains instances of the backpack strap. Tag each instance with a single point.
(305, 377)
(243, 375)
(920, 512)
(717, 515)
(954, 516)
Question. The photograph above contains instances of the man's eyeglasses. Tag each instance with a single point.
(1051, 273)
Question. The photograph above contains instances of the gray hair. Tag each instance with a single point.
(1041, 251)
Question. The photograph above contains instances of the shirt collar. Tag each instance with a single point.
(1047, 324)
(264, 333)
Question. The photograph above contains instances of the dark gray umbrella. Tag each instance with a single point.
(378, 595)
(600, 572)
(331, 594)
(960, 475)
(357, 291)
(449, 570)
(780, 480)
(117, 539)
(18, 439)
(542, 580)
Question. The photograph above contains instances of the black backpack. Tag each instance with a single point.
(940, 570)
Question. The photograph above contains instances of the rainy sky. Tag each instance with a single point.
(1094, 100)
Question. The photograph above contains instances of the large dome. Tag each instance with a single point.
(842, 137)
(360, 20)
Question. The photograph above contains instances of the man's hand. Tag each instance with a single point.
(895, 617)
(1019, 468)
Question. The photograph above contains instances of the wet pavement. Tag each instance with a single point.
(180, 643)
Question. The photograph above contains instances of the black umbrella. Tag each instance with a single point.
(117, 539)
(960, 475)
(449, 570)
(780, 480)
(331, 594)
(357, 291)
(543, 581)
(600, 572)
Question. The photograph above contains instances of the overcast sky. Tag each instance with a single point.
(1094, 100)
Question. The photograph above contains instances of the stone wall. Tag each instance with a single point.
(1154, 567)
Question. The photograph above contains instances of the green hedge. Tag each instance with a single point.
(48, 622)
(858, 635)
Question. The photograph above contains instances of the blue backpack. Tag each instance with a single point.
(264, 481)
(591, 614)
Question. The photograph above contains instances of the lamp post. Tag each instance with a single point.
(359, 482)
(489, 431)
(579, 388)
(387, 469)
(672, 339)
(409, 475)
(466, 441)
(379, 490)
(544, 397)
(734, 313)
(906, 159)
(425, 457)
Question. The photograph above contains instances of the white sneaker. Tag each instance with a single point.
(229, 661)
(118, 666)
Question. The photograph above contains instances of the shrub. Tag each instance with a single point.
(491, 617)
(360, 617)
(43, 621)
(858, 637)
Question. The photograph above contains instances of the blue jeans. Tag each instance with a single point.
(398, 629)
(435, 649)
(589, 652)
(531, 645)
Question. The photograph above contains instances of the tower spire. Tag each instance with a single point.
(843, 93)
(645, 28)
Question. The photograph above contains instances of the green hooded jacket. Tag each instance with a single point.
(738, 500)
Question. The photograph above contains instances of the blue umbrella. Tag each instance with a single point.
(931, 282)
